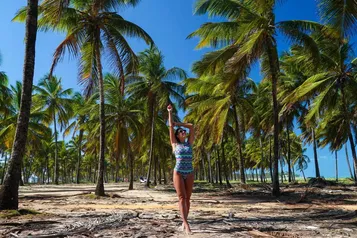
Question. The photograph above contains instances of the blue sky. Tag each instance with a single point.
(168, 23)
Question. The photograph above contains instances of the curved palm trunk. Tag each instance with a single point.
(10, 188)
(56, 148)
(348, 163)
(303, 174)
(78, 172)
(151, 155)
(99, 190)
(353, 149)
(274, 70)
(239, 144)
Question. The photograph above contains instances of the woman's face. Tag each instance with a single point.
(181, 134)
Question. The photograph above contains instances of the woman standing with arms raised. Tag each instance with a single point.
(183, 172)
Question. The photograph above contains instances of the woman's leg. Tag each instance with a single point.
(181, 193)
(189, 187)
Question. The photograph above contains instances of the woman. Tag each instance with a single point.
(183, 173)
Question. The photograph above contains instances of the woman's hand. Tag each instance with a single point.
(169, 107)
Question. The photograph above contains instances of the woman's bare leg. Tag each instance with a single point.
(189, 187)
(179, 184)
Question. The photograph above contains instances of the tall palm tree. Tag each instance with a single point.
(334, 83)
(247, 36)
(123, 115)
(79, 105)
(93, 29)
(302, 161)
(213, 106)
(156, 84)
(9, 189)
(54, 101)
(296, 67)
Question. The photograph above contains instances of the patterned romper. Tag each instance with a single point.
(183, 154)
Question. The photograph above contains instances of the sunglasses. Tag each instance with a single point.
(181, 131)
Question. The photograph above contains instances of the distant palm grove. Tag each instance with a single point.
(116, 128)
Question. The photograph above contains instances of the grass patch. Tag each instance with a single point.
(16, 213)
(91, 196)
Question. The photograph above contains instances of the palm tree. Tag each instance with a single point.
(213, 106)
(91, 28)
(296, 70)
(123, 115)
(9, 189)
(247, 36)
(334, 84)
(54, 101)
(79, 105)
(302, 161)
(156, 84)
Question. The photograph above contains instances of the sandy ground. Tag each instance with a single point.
(69, 211)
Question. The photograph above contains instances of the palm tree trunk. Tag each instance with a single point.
(262, 158)
(209, 167)
(47, 169)
(163, 165)
(336, 166)
(151, 155)
(317, 169)
(117, 158)
(216, 169)
(270, 161)
(159, 171)
(203, 167)
(99, 190)
(289, 151)
(303, 174)
(9, 190)
(155, 171)
(78, 172)
(64, 178)
(239, 144)
(348, 163)
(219, 168)
(56, 148)
(131, 161)
(353, 149)
(225, 165)
(274, 70)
